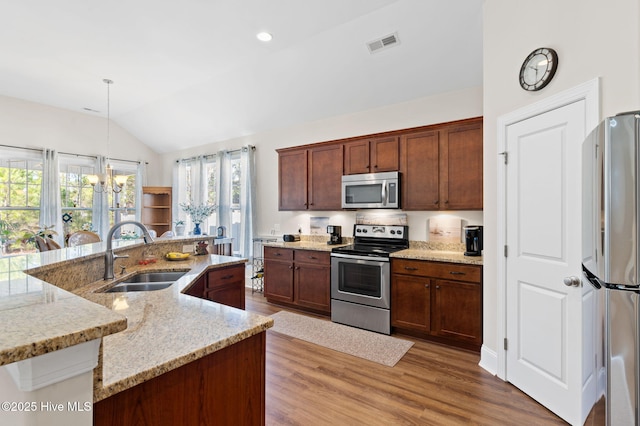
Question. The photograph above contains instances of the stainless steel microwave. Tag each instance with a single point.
(371, 191)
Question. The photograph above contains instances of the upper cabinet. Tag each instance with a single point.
(440, 165)
(310, 178)
(371, 155)
(292, 180)
(461, 167)
(442, 168)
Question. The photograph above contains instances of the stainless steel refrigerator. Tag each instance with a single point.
(611, 234)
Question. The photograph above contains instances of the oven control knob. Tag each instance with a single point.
(399, 232)
(364, 230)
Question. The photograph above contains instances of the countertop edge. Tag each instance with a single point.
(106, 391)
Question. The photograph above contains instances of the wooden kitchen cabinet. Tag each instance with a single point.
(292, 180)
(156, 208)
(226, 286)
(299, 278)
(309, 179)
(325, 177)
(419, 169)
(442, 167)
(438, 301)
(371, 155)
(461, 167)
(221, 285)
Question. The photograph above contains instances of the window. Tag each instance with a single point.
(122, 205)
(20, 183)
(76, 193)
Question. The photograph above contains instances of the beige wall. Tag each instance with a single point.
(430, 110)
(31, 125)
(593, 39)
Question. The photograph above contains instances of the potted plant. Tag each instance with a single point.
(198, 214)
(179, 227)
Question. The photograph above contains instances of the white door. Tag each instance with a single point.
(544, 317)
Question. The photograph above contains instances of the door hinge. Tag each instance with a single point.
(506, 156)
(505, 251)
(505, 345)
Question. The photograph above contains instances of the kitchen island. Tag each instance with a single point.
(179, 359)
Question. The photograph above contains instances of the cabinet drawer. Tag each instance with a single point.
(313, 256)
(277, 253)
(448, 271)
(224, 276)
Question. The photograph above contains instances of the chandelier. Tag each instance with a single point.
(107, 182)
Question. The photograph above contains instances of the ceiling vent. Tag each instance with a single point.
(383, 43)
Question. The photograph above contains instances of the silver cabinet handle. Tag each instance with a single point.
(572, 281)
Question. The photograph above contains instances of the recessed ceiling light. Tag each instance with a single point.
(264, 36)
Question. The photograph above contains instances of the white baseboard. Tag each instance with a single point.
(488, 360)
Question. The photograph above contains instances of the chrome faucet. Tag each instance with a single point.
(109, 256)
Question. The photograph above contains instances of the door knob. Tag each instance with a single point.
(572, 281)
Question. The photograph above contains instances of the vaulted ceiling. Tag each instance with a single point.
(191, 72)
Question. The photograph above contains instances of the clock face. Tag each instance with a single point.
(538, 69)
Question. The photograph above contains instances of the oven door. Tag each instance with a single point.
(361, 279)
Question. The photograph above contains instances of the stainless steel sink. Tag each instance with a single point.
(124, 287)
(147, 281)
(154, 277)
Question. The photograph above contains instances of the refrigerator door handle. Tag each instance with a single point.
(593, 280)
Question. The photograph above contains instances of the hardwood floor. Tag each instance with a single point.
(431, 385)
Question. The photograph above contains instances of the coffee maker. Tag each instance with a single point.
(335, 234)
(473, 240)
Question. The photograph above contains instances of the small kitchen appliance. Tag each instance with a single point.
(473, 240)
(335, 234)
(361, 277)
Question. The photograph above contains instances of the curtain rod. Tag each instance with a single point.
(207, 156)
(70, 153)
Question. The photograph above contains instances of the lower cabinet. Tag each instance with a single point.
(299, 278)
(221, 285)
(438, 301)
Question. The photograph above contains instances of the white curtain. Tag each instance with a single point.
(179, 190)
(247, 201)
(198, 195)
(224, 191)
(50, 205)
(141, 180)
(101, 203)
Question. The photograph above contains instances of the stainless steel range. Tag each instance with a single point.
(361, 277)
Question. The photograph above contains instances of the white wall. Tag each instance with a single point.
(32, 125)
(593, 39)
(430, 110)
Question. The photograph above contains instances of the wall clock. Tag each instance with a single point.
(538, 69)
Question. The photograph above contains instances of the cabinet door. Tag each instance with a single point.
(419, 166)
(325, 175)
(231, 294)
(197, 288)
(356, 157)
(278, 280)
(292, 180)
(411, 302)
(312, 286)
(461, 167)
(385, 154)
(457, 310)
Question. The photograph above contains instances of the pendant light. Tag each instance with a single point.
(106, 182)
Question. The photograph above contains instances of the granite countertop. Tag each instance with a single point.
(167, 329)
(144, 333)
(437, 256)
(418, 250)
(304, 245)
(26, 303)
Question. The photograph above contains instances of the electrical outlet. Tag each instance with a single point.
(187, 249)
